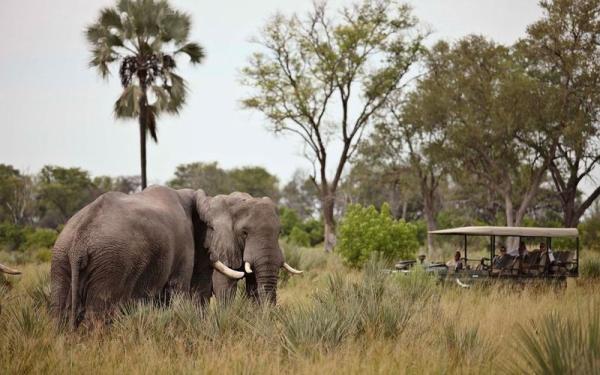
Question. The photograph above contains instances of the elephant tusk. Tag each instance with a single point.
(232, 274)
(247, 267)
(9, 270)
(291, 270)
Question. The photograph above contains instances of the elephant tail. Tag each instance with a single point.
(78, 262)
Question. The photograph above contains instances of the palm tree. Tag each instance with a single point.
(144, 37)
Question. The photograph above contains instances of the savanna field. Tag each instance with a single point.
(333, 319)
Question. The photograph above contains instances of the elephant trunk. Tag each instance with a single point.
(261, 285)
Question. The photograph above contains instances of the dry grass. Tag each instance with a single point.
(330, 320)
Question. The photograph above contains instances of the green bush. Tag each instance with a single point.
(43, 255)
(315, 231)
(12, 236)
(40, 238)
(364, 231)
(590, 267)
(299, 237)
(289, 220)
(590, 233)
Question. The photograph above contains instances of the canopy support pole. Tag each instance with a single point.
(465, 246)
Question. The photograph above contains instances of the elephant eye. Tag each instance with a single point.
(244, 233)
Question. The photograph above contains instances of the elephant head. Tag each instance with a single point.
(243, 232)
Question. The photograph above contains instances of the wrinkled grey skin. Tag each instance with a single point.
(123, 247)
(244, 229)
(151, 244)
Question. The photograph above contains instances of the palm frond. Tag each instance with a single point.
(128, 104)
(110, 17)
(148, 120)
(177, 92)
(194, 51)
(175, 26)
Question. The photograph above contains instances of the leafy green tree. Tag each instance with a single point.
(144, 37)
(16, 196)
(299, 237)
(61, 193)
(206, 176)
(364, 231)
(562, 53)
(486, 97)
(256, 181)
(323, 79)
(289, 220)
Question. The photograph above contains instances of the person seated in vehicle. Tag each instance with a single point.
(498, 259)
(521, 252)
(547, 259)
(456, 263)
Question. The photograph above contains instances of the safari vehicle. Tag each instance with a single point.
(535, 264)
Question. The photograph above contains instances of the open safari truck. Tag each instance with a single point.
(538, 261)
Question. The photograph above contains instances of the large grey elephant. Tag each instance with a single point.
(151, 244)
(138, 246)
(243, 230)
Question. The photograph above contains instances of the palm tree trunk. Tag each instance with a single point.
(143, 127)
(143, 153)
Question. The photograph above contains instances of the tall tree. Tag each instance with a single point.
(256, 181)
(144, 37)
(489, 98)
(563, 53)
(16, 195)
(206, 176)
(323, 79)
(61, 193)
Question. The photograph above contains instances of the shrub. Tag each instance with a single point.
(12, 236)
(299, 237)
(40, 238)
(43, 255)
(590, 267)
(558, 344)
(364, 231)
(315, 229)
(289, 220)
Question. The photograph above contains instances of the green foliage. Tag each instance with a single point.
(590, 231)
(590, 267)
(315, 231)
(62, 192)
(40, 238)
(289, 219)
(558, 344)
(364, 231)
(256, 181)
(12, 236)
(214, 180)
(299, 237)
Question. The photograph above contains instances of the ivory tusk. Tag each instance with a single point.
(232, 274)
(9, 270)
(291, 270)
(247, 267)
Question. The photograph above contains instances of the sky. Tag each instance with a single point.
(55, 110)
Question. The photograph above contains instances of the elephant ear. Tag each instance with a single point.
(221, 239)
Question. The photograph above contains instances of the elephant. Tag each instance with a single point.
(244, 231)
(140, 246)
(151, 244)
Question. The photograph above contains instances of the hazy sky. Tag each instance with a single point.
(55, 110)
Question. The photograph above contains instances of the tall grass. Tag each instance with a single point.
(558, 344)
(330, 320)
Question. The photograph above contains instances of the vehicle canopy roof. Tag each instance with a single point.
(509, 231)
